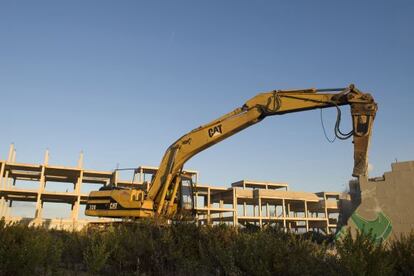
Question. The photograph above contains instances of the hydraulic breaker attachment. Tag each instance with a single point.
(363, 115)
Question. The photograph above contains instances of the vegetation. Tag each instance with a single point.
(146, 248)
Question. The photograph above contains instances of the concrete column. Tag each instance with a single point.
(114, 178)
(208, 206)
(11, 153)
(78, 186)
(284, 213)
(306, 216)
(76, 204)
(260, 211)
(221, 206)
(267, 210)
(288, 210)
(244, 209)
(2, 200)
(141, 175)
(235, 215)
(254, 210)
(9, 203)
(5, 181)
(42, 183)
(196, 206)
(288, 214)
(326, 215)
(2, 168)
(80, 160)
(13, 159)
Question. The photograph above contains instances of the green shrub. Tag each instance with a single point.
(148, 248)
(74, 244)
(25, 250)
(402, 252)
(96, 252)
(216, 250)
(273, 252)
(362, 255)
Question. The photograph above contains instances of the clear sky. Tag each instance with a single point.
(122, 80)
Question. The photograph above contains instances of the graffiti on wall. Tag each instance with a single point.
(380, 228)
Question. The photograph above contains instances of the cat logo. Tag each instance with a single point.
(214, 131)
(113, 205)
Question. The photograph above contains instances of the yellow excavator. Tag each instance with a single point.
(162, 199)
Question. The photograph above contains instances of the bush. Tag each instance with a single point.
(147, 248)
(25, 250)
(362, 255)
(96, 252)
(73, 247)
(402, 251)
(272, 251)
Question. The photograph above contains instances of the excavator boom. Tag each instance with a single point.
(161, 198)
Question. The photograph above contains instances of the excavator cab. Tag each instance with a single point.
(179, 200)
(186, 196)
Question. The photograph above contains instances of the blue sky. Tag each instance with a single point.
(122, 80)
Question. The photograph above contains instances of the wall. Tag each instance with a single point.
(384, 205)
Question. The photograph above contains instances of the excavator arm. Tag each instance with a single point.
(160, 200)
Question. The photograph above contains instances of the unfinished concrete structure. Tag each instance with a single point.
(265, 203)
(244, 203)
(41, 174)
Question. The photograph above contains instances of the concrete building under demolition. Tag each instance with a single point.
(384, 205)
(245, 203)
